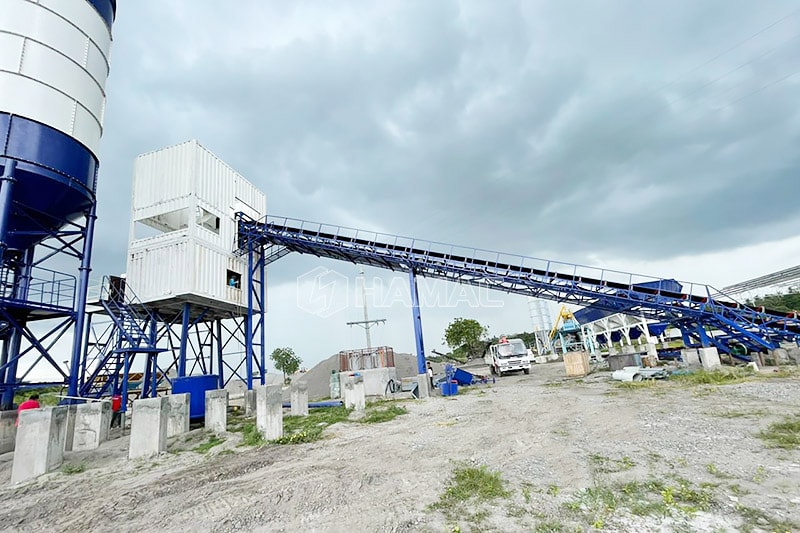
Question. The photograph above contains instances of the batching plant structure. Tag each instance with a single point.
(186, 315)
(54, 61)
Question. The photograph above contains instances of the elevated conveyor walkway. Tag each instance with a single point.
(687, 305)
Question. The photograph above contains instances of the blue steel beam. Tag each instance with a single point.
(586, 286)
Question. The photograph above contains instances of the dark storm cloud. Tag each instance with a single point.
(575, 128)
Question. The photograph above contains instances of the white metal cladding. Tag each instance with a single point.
(208, 193)
(164, 268)
(54, 58)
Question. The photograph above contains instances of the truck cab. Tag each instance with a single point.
(508, 355)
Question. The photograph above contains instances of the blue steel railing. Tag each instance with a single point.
(44, 288)
(614, 290)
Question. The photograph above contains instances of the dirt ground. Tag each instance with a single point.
(574, 455)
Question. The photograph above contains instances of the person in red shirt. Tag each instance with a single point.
(116, 407)
(30, 403)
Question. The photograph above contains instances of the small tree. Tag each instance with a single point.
(286, 361)
(464, 336)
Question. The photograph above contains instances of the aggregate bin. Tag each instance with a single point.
(449, 389)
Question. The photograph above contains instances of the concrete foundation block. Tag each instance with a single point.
(269, 411)
(92, 422)
(424, 385)
(148, 427)
(651, 350)
(300, 399)
(780, 356)
(8, 430)
(691, 358)
(250, 403)
(39, 446)
(217, 410)
(709, 358)
(69, 439)
(178, 417)
(360, 394)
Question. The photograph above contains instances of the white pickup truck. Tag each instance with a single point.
(509, 355)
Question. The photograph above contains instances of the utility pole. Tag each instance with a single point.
(366, 323)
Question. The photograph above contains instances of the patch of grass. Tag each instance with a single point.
(757, 518)
(635, 385)
(251, 436)
(552, 490)
(212, 441)
(784, 434)
(760, 475)
(606, 465)
(739, 414)
(48, 396)
(471, 484)
(549, 527)
(378, 415)
(712, 469)
(642, 498)
(73, 468)
(725, 376)
(301, 429)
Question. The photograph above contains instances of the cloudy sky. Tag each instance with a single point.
(654, 137)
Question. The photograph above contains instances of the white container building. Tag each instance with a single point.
(183, 230)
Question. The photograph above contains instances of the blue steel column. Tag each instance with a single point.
(417, 322)
(15, 341)
(6, 188)
(184, 340)
(153, 339)
(219, 354)
(80, 306)
(248, 343)
(263, 311)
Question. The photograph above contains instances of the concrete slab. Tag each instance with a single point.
(269, 411)
(92, 422)
(8, 430)
(300, 399)
(69, 439)
(217, 410)
(39, 446)
(178, 416)
(148, 427)
(424, 385)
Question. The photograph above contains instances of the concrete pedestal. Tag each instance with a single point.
(424, 385)
(69, 438)
(354, 392)
(217, 410)
(8, 430)
(651, 350)
(269, 411)
(691, 358)
(92, 422)
(39, 446)
(709, 358)
(250, 403)
(300, 399)
(178, 417)
(148, 427)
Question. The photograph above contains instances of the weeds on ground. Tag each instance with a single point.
(725, 376)
(712, 469)
(212, 441)
(549, 527)
(73, 468)
(251, 436)
(753, 518)
(636, 385)
(470, 485)
(606, 465)
(784, 434)
(754, 413)
(301, 429)
(378, 415)
(642, 498)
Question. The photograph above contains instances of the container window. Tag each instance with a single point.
(233, 279)
(207, 220)
(163, 223)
